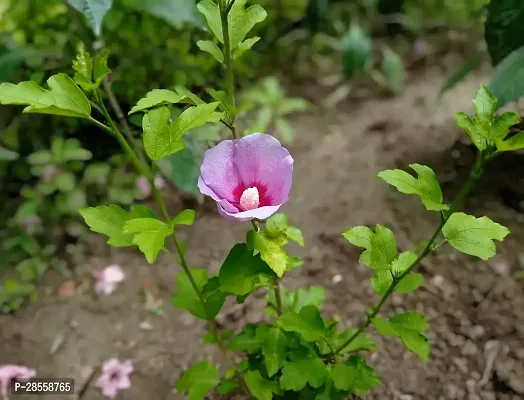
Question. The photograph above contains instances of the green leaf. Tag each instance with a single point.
(109, 221)
(469, 65)
(141, 211)
(227, 387)
(149, 235)
(514, 143)
(196, 116)
(356, 52)
(185, 217)
(362, 342)
(485, 105)
(382, 280)
(307, 323)
(211, 48)
(260, 388)
(89, 74)
(94, 11)
(270, 248)
(279, 223)
(8, 155)
(62, 98)
(383, 248)
(407, 328)
(274, 350)
(403, 262)
(302, 370)
(503, 28)
(393, 69)
(425, 186)
(211, 13)
(242, 20)
(176, 13)
(186, 297)
(248, 340)
(473, 236)
(295, 300)
(198, 381)
(473, 131)
(244, 46)
(191, 97)
(157, 97)
(241, 270)
(159, 141)
(355, 376)
(507, 80)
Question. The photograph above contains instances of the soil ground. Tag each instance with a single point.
(475, 308)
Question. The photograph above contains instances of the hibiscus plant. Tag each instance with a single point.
(296, 352)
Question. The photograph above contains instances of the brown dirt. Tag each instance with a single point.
(476, 309)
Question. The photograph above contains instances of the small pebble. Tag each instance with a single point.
(337, 278)
(146, 326)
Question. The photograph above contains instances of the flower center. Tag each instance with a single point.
(250, 199)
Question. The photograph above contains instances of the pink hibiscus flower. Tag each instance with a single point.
(115, 377)
(108, 278)
(249, 178)
(10, 372)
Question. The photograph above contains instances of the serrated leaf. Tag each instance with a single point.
(279, 223)
(247, 340)
(100, 68)
(94, 11)
(227, 387)
(185, 217)
(274, 350)
(500, 127)
(260, 388)
(270, 248)
(383, 248)
(149, 235)
(507, 80)
(242, 20)
(425, 186)
(513, 143)
(244, 46)
(159, 142)
(473, 236)
(198, 380)
(407, 328)
(109, 221)
(355, 376)
(382, 280)
(302, 370)
(308, 323)
(485, 105)
(191, 97)
(336, 339)
(141, 211)
(241, 270)
(185, 296)
(211, 48)
(296, 300)
(89, 74)
(473, 131)
(356, 52)
(62, 98)
(157, 97)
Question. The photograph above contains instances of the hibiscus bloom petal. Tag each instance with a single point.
(261, 159)
(218, 172)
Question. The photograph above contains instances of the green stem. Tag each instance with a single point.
(474, 176)
(278, 298)
(230, 82)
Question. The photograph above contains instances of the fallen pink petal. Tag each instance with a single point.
(108, 278)
(114, 377)
(249, 178)
(9, 372)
